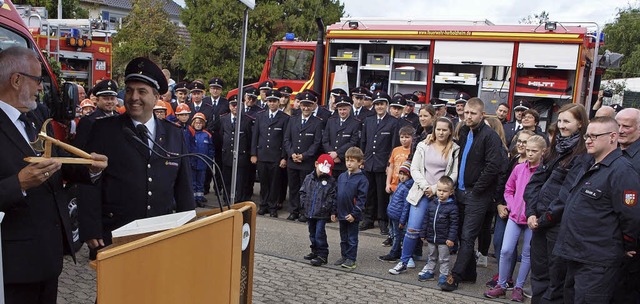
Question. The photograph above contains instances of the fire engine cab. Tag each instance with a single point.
(548, 65)
(81, 46)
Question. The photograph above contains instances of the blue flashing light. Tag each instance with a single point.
(290, 37)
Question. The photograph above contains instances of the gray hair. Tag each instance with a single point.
(12, 60)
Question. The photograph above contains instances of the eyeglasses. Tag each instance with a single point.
(593, 137)
(522, 142)
(38, 79)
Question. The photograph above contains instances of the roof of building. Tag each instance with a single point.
(172, 8)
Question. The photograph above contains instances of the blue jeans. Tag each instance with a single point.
(398, 235)
(318, 237)
(198, 182)
(414, 227)
(511, 235)
(349, 239)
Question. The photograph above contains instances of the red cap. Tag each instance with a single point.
(325, 163)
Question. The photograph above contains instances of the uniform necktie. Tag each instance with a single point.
(304, 121)
(379, 120)
(357, 112)
(341, 122)
(197, 108)
(28, 127)
(233, 121)
(271, 116)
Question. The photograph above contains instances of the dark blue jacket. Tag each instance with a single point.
(398, 208)
(351, 195)
(377, 142)
(305, 140)
(202, 144)
(441, 223)
(318, 195)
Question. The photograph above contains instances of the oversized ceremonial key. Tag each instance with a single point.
(44, 143)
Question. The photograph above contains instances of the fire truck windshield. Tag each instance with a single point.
(9, 38)
(291, 64)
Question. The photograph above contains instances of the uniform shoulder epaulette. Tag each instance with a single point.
(261, 111)
(225, 114)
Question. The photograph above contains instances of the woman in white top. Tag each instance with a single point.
(434, 157)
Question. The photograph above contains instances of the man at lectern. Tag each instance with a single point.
(36, 229)
(145, 177)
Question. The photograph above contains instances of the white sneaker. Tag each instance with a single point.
(411, 263)
(482, 261)
(400, 268)
(423, 271)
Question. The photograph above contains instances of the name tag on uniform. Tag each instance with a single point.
(206, 141)
(592, 193)
(309, 134)
(170, 163)
(277, 129)
(385, 133)
(346, 135)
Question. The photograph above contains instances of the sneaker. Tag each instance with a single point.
(442, 279)
(510, 284)
(400, 268)
(411, 264)
(427, 276)
(482, 260)
(349, 264)
(319, 261)
(517, 295)
(388, 242)
(493, 282)
(388, 258)
(450, 284)
(424, 269)
(496, 292)
(310, 256)
(340, 261)
(527, 292)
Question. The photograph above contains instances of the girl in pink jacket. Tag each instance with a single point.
(517, 223)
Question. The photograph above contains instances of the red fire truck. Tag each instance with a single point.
(548, 64)
(13, 32)
(81, 46)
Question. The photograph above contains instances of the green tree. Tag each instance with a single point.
(70, 8)
(216, 32)
(622, 36)
(535, 18)
(146, 32)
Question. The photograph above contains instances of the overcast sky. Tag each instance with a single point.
(496, 11)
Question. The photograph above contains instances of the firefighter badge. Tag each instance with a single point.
(630, 198)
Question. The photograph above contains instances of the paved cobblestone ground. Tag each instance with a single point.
(278, 280)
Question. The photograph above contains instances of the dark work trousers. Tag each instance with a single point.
(484, 239)
(377, 199)
(557, 269)
(628, 291)
(295, 177)
(44, 292)
(590, 283)
(249, 181)
(539, 266)
(282, 195)
(269, 177)
(473, 208)
(241, 195)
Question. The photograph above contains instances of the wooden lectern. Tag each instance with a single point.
(209, 260)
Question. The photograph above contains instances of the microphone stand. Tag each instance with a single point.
(174, 156)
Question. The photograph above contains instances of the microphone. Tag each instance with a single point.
(143, 131)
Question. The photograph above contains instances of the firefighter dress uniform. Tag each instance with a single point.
(340, 135)
(602, 196)
(137, 184)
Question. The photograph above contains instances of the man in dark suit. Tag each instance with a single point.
(359, 111)
(396, 108)
(250, 100)
(341, 133)
(302, 142)
(198, 106)
(267, 152)
(511, 128)
(379, 137)
(226, 129)
(220, 104)
(409, 110)
(138, 184)
(106, 92)
(264, 87)
(36, 227)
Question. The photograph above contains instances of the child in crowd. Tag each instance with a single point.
(203, 145)
(398, 212)
(398, 156)
(441, 227)
(350, 200)
(317, 199)
(517, 223)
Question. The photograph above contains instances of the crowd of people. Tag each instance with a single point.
(441, 178)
